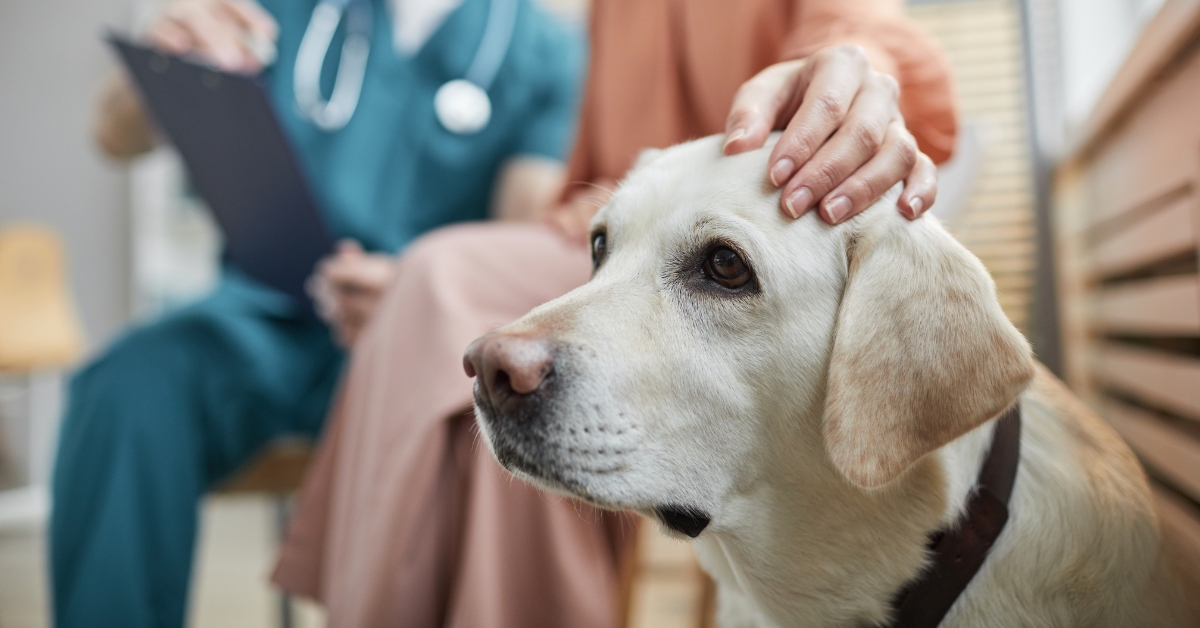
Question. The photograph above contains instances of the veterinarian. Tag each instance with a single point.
(406, 520)
(177, 404)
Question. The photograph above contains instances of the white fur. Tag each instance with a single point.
(669, 393)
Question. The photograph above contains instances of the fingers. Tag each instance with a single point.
(861, 136)
(895, 160)
(349, 246)
(253, 18)
(322, 295)
(837, 77)
(172, 37)
(351, 317)
(920, 188)
(214, 29)
(761, 102)
(353, 272)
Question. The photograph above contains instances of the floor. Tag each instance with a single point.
(238, 544)
(236, 549)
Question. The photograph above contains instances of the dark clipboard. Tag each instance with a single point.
(240, 163)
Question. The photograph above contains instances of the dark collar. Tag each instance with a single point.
(959, 551)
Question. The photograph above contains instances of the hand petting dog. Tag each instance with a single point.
(844, 141)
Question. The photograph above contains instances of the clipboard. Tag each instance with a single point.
(240, 163)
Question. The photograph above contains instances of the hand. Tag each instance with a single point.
(225, 33)
(573, 218)
(347, 286)
(844, 142)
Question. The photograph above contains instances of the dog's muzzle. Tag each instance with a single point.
(522, 392)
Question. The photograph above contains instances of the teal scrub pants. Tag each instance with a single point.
(168, 410)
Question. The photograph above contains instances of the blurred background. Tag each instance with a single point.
(1075, 182)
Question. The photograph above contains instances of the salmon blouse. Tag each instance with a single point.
(666, 71)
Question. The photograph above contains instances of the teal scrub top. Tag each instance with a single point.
(393, 172)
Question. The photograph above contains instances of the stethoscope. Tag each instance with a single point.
(461, 105)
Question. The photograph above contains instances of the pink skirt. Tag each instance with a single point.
(405, 519)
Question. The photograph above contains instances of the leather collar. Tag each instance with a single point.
(959, 551)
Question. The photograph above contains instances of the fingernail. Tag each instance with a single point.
(799, 202)
(229, 59)
(734, 136)
(781, 171)
(917, 205)
(836, 209)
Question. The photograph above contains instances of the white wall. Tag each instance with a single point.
(1096, 37)
(51, 64)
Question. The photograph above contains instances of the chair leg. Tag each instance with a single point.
(282, 515)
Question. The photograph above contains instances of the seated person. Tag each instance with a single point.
(177, 404)
(405, 519)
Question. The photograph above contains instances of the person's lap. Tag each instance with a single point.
(405, 515)
(167, 410)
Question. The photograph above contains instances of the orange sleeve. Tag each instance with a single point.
(896, 46)
(580, 166)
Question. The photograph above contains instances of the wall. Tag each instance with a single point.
(51, 64)
(1096, 37)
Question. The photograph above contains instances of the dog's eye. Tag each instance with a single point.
(599, 248)
(724, 266)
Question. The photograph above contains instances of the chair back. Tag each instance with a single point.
(39, 327)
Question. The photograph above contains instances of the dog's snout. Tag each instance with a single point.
(509, 365)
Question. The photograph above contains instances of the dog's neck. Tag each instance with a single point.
(806, 548)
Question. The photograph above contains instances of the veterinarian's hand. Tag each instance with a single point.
(347, 286)
(844, 142)
(222, 32)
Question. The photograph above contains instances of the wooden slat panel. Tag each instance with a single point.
(1155, 151)
(1164, 36)
(1173, 454)
(1160, 235)
(982, 40)
(1168, 305)
(1170, 381)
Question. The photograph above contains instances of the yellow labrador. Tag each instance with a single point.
(814, 404)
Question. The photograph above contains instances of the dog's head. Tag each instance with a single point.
(717, 341)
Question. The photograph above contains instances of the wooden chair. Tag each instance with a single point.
(38, 324)
(39, 334)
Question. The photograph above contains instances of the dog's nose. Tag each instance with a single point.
(509, 365)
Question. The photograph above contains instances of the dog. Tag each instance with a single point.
(813, 404)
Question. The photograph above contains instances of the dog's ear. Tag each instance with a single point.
(922, 352)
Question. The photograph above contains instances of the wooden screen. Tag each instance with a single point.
(1128, 220)
(982, 39)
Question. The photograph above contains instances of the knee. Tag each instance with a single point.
(441, 266)
(466, 265)
(145, 367)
